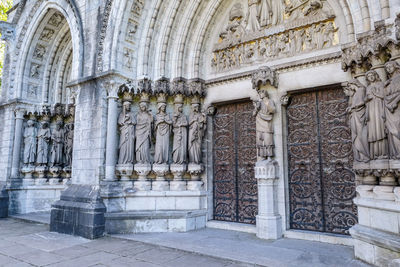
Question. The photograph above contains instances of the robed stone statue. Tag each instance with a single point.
(57, 138)
(264, 110)
(163, 129)
(180, 124)
(30, 135)
(378, 148)
(126, 123)
(144, 124)
(392, 110)
(43, 138)
(357, 110)
(69, 143)
(197, 122)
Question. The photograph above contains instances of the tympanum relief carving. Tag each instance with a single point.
(273, 29)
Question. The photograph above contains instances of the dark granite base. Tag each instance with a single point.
(80, 211)
(3, 202)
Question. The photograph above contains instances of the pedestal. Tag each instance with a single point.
(142, 184)
(160, 184)
(27, 172)
(268, 220)
(124, 171)
(195, 183)
(55, 175)
(178, 171)
(41, 171)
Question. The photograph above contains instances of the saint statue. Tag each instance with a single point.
(392, 110)
(265, 13)
(264, 110)
(357, 110)
(144, 124)
(126, 123)
(197, 122)
(277, 11)
(43, 138)
(252, 16)
(69, 143)
(378, 148)
(30, 135)
(57, 137)
(180, 124)
(163, 128)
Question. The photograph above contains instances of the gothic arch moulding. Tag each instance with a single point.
(51, 34)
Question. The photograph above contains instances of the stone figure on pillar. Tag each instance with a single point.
(180, 124)
(197, 124)
(264, 110)
(57, 138)
(30, 135)
(378, 148)
(163, 129)
(355, 90)
(69, 143)
(143, 134)
(44, 137)
(392, 110)
(126, 123)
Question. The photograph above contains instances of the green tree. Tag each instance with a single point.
(5, 5)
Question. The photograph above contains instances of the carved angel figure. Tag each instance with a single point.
(43, 138)
(126, 123)
(375, 117)
(180, 123)
(57, 138)
(197, 125)
(144, 125)
(30, 135)
(264, 110)
(163, 129)
(357, 111)
(392, 110)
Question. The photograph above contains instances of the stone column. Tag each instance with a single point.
(268, 220)
(19, 122)
(112, 130)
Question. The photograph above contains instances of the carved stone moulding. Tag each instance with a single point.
(263, 76)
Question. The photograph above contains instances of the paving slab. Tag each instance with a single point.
(38, 217)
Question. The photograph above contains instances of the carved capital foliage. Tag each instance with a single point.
(263, 76)
(144, 85)
(196, 88)
(19, 113)
(179, 86)
(162, 86)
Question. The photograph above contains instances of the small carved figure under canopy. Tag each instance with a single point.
(392, 110)
(197, 122)
(57, 137)
(378, 148)
(180, 124)
(264, 110)
(44, 137)
(126, 122)
(144, 125)
(163, 128)
(30, 135)
(357, 110)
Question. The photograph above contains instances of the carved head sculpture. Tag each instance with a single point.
(127, 106)
(30, 123)
(179, 107)
(143, 106)
(372, 76)
(391, 67)
(162, 107)
(263, 94)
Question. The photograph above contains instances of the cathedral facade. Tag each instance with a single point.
(275, 117)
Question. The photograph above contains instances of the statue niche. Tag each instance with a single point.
(357, 112)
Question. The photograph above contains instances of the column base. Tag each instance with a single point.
(269, 227)
(80, 211)
(177, 185)
(3, 202)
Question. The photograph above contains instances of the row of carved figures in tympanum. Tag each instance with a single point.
(137, 133)
(375, 115)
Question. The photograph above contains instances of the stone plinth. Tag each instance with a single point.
(195, 182)
(160, 184)
(3, 202)
(178, 170)
(142, 184)
(155, 221)
(124, 171)
(377, 234)
(80, 211)
(268, 220)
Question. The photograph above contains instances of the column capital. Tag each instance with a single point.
(19, 113)
(266, 170)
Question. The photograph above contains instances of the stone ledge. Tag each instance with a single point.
(170, 214)
(376, 237)
(377, 204)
